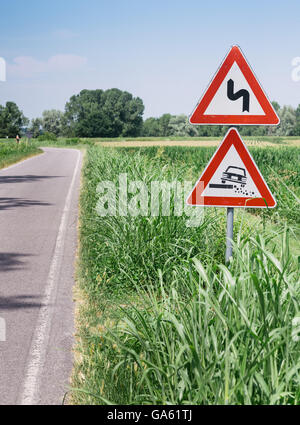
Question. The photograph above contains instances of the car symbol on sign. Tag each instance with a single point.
(235, 175)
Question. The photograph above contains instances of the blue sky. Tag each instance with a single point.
(162, 51)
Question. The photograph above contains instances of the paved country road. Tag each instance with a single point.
(38, 223)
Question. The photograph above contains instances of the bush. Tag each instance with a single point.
(46, 137)
(72, 141)
(88, 142)
(77, 141)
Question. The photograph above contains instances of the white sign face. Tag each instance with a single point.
(237, 83)
(231, 178)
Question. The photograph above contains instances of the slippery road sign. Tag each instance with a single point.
(232, 179)
(234, 96)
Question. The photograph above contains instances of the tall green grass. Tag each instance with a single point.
(280, 167)
(163, 319)
(11, 152)
(214, 336)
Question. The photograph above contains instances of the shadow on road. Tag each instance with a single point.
(10, 261)
(19, 301)
(25, 179)
(9, 203)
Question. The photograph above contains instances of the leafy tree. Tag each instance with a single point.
(47, 137)
(151, 128)
(52, 121)
(287, 125)
(179, 126)
(98, 113)
(211, 130)
(253, 130)
(12, 120)
(276, 106)
(297, 126)
(35, 127)
(164, 122)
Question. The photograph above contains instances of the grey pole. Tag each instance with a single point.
(229, 234)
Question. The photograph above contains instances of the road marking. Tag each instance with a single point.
(29, 395)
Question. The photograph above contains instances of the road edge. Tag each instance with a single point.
(34, 368)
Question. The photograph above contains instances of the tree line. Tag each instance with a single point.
(178, 125)
(116, 113)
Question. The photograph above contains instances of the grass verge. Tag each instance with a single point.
(162, 319)
(10, 152)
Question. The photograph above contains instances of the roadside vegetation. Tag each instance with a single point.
(115, 113)
(11, 152)
(162, 319)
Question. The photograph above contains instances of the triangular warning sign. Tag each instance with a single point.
(232, 179)
(234, 96)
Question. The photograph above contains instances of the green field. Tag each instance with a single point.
(11, 152)
(78, 140)
(161, 319)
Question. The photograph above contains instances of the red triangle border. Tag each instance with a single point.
(232, 138)
(234, 55)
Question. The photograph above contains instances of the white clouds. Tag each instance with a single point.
(27, 66)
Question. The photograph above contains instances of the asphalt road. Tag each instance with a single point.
(38, 225)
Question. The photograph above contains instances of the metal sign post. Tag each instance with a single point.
(229, 233)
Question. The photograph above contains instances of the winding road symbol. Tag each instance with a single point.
(234, 80)
(235, 96)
